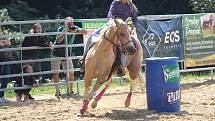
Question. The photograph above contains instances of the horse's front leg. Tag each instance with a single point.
(100, 94)
(89, 95)
(87, 98)
(85, 101)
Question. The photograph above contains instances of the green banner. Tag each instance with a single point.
(93, 25)
(199, 39)
(171, 73)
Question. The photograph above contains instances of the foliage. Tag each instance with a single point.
(4, 15)
(20, 10)
(203, 6)
(33, 9)
(8, 30)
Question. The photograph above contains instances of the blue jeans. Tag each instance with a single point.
(89, 41)
(4, 70)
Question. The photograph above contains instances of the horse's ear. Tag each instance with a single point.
(116, 22)
(128, 21)
(115, 17)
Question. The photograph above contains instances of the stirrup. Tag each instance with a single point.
(82, 70)
(80, 62)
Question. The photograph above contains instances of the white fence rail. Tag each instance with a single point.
(20, 23)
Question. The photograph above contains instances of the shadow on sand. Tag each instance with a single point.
(136, 114)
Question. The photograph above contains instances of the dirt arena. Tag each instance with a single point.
(197, 104)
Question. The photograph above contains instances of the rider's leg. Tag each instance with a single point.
(88, 46)
(82, 60)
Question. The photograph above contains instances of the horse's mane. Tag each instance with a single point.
(109, 24)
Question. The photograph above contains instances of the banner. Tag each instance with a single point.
(171, 73)
(91, 27)
(161, 38)
(171, 96)
(199, 39)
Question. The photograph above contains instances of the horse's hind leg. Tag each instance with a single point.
(128, 98)
(133, 69)
(100, 94)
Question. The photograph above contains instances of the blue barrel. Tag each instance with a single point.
(162, 84)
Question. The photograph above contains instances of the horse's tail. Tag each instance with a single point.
(140, 79)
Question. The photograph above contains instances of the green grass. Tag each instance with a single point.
(51, 90)
(35, 91)
(193, 75)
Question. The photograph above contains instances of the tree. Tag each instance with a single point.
(203, 6)
(35, 9)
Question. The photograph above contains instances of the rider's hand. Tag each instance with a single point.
(51, 45)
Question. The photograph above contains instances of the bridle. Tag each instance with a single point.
(116, 33)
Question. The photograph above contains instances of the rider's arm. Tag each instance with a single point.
(112, 10)
(133, 15)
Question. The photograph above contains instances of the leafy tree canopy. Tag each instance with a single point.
(37, 9)
(203, 6)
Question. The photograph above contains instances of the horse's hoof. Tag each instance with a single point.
(127, 105)
(82, 111)
(84, 107)
(94, 104)
(128, 100)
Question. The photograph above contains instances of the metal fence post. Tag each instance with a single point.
(77, 84)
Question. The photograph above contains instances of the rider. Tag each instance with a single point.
(122, 9)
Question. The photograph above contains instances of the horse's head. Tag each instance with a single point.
(121, 36)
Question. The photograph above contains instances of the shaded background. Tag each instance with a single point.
(34, 9)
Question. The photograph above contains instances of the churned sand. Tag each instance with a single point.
(197, 104)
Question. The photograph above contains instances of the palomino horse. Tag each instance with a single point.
(101, 57)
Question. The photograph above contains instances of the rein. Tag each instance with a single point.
(110, 40)
(121, 47)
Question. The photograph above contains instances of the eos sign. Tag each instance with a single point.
(151, 43)
(172, 37)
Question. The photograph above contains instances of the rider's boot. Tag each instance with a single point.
(82, 64)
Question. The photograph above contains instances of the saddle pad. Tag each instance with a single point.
(95, 38)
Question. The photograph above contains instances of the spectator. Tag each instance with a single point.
(61, 52)
(30, 41)
(23, 94)
(4, 69)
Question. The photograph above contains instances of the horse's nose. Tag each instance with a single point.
(132, 50)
